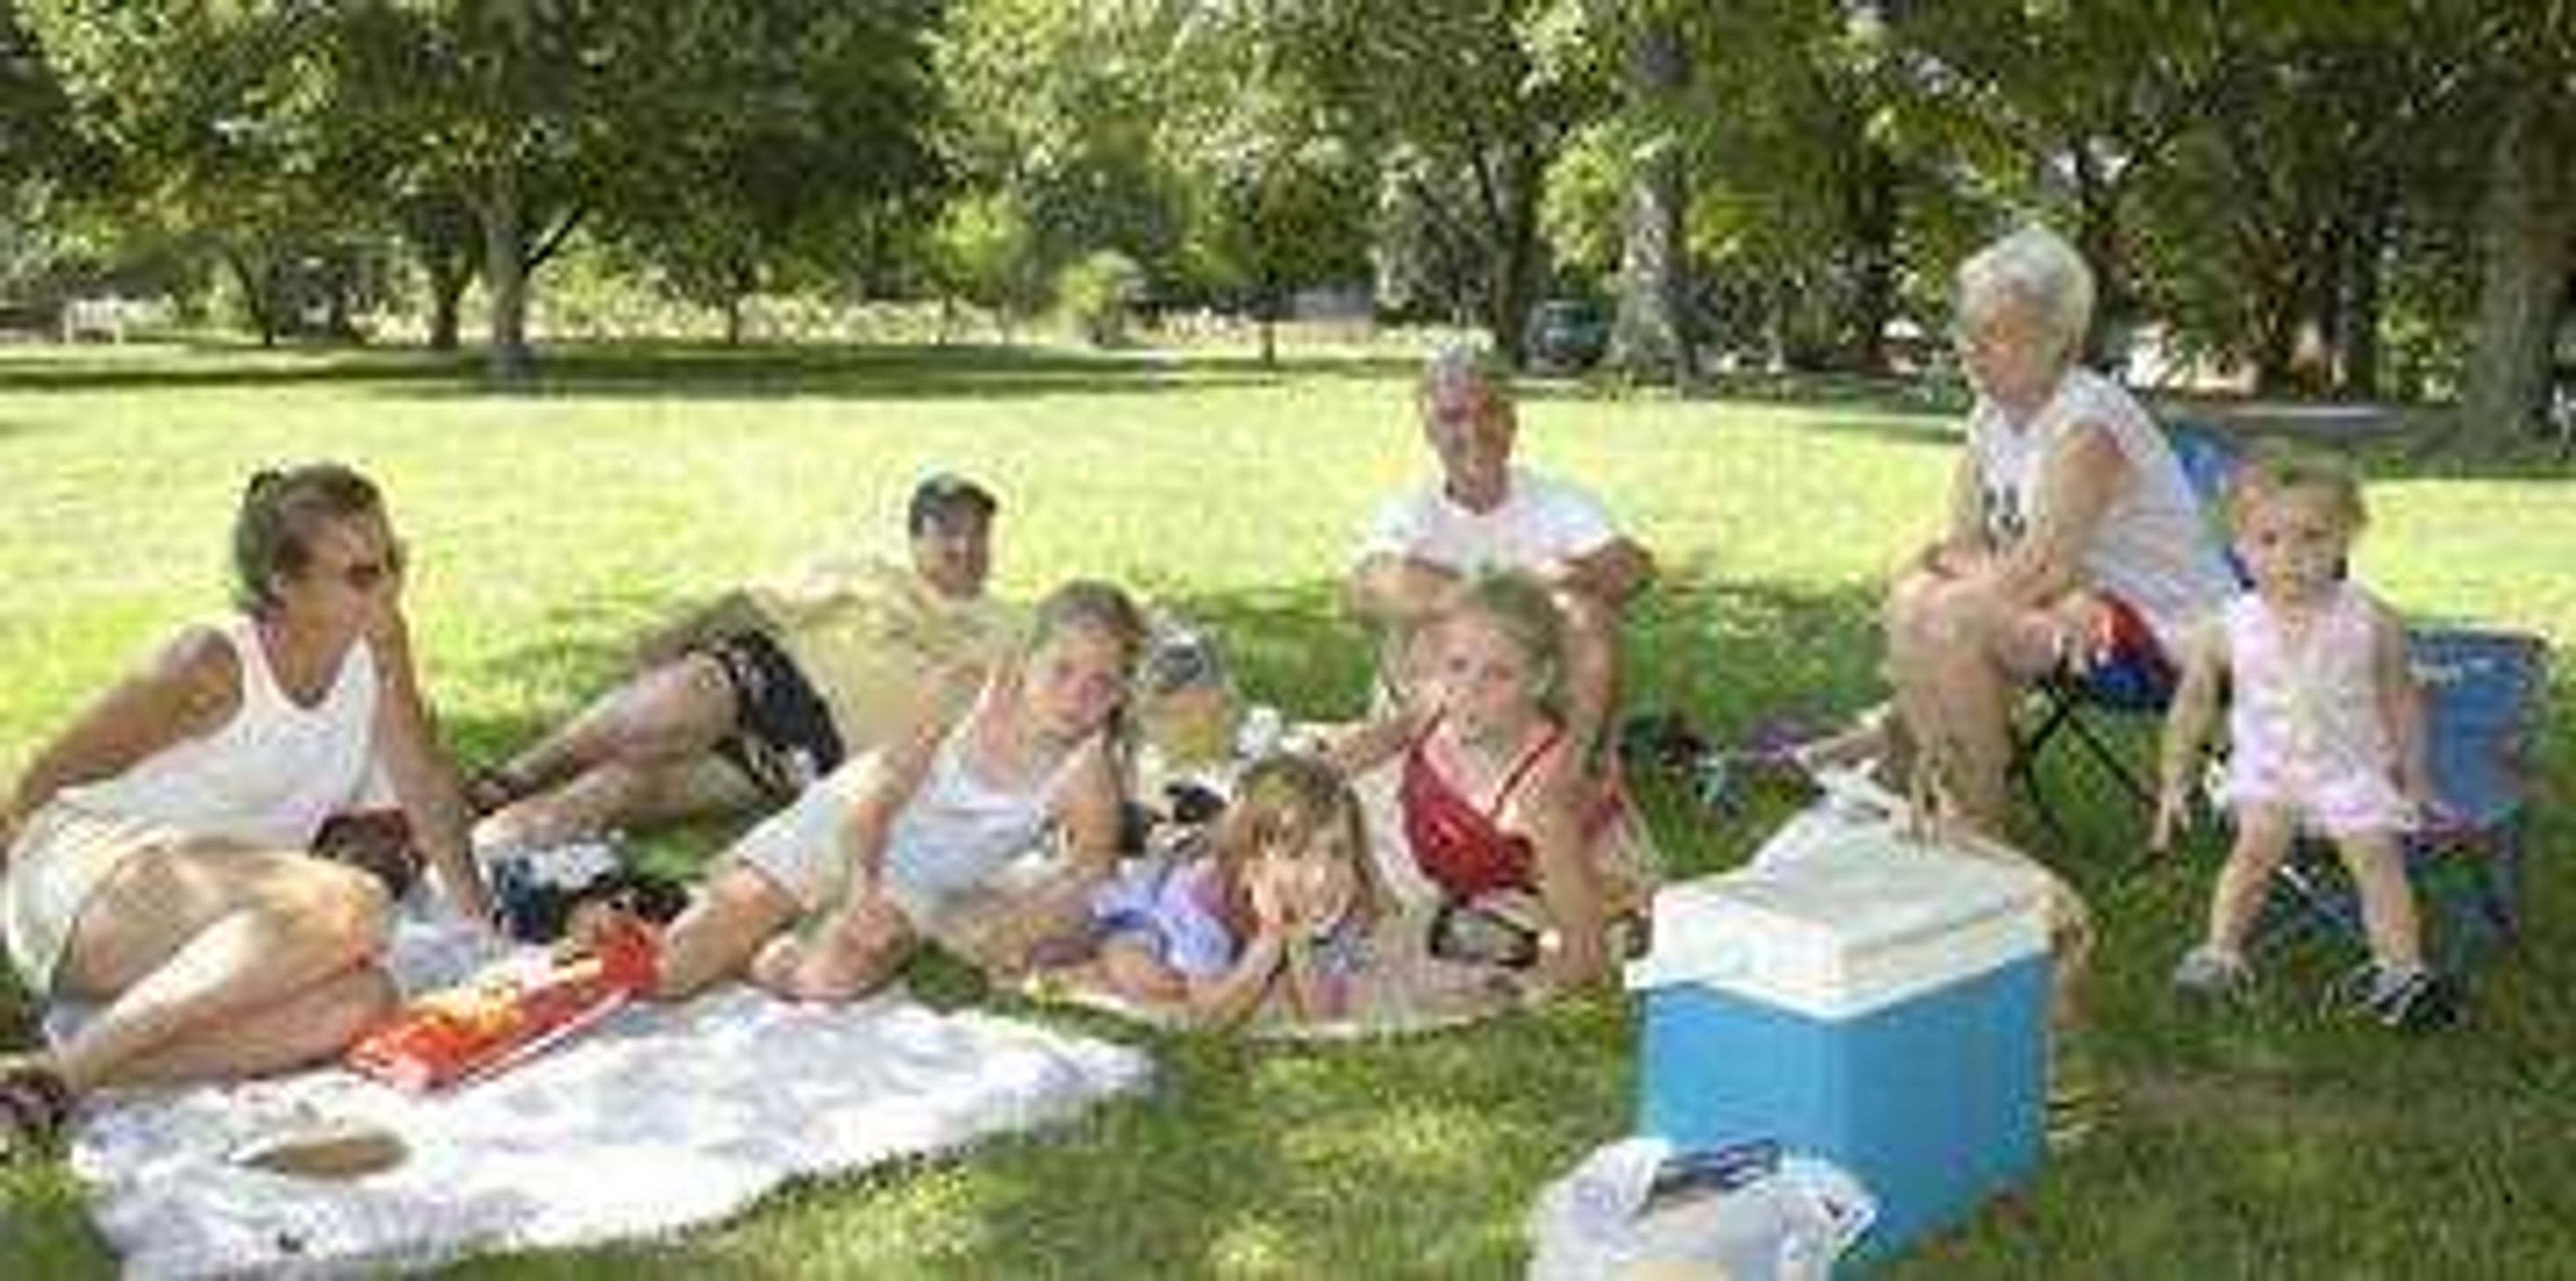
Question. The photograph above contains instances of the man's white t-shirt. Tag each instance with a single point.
(1540, 519)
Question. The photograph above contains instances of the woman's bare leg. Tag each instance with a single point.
(1957, 651)
(307, 1027)
(184, 944)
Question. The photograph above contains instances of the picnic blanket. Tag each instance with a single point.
(660, 1118)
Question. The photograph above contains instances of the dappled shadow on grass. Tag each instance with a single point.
(577, 651)
(690, 370)
(180, 368)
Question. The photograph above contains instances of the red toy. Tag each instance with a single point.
(481, 1027)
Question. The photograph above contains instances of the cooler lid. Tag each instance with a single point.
(1860, 914)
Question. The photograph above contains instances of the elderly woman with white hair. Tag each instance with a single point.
(2074, 536)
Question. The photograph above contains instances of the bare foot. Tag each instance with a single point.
(851, 956)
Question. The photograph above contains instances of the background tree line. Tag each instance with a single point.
(2357, 197)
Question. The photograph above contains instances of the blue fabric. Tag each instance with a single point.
(2481, 701)
(2210, 461)
(1165, 904)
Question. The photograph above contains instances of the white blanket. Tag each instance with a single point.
(659, 1118)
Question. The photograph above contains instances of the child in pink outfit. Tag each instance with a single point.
(2325, 731)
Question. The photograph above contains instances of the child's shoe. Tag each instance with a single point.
(2403, 998)
(2207, 974)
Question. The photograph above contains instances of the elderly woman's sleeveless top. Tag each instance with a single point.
(2155, 547)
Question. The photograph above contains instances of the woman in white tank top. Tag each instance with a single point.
(874, 856)
(155, 848)
(2072, 528)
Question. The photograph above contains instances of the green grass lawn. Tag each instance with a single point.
(548, 529)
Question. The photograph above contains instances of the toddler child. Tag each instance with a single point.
(2325, 731)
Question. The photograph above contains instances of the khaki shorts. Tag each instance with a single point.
(56, 866)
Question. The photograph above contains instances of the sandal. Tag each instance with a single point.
(35, 1107)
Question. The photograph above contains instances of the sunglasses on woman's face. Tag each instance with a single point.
(366, 576)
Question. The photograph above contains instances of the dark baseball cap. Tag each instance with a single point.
(944, 496)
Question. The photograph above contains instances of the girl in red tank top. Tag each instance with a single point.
(1492, 798)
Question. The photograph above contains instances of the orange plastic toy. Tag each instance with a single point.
(479, 1028)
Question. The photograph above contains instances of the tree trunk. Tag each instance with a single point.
(259, 296)
(446, 302)
(2097, 237)
(2357, 333)
(1513, 269)
(2528, 220)
(505, 271)
(1266, 310)
(1872, 212)
(741, 281)
(1647, 339)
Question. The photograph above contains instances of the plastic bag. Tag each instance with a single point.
(1636, 1208)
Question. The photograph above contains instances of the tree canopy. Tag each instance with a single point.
(2280, 189)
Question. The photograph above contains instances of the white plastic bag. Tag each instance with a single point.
(1789, 1224)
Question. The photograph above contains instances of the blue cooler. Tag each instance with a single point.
(1859, 996)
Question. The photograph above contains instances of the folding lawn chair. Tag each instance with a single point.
(2483, 695)
(2079, 707)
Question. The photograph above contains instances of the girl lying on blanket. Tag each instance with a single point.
(825, 900)
(1276, 900)
(1532, 851)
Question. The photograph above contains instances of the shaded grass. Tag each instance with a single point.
(549, 529)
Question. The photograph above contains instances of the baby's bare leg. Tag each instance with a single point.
(2377, 864)
(2262, 840)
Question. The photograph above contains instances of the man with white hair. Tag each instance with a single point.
(2073, 536)
(1485, 513)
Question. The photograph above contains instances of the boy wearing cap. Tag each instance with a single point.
(769, 687)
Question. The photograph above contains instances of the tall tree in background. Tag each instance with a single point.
(2069, 110)
(2528, 223)
(781, 127)
(1055, 114)
(1279, 199)
(716, 136)
(206, 119)
(2321, 153)
(510, 109)
(1462, 102)
(40, 153)
(1798, 189)
(1649, 336)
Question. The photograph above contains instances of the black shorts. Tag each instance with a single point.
(783, 736)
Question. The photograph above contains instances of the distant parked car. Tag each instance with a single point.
(1567, 335)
